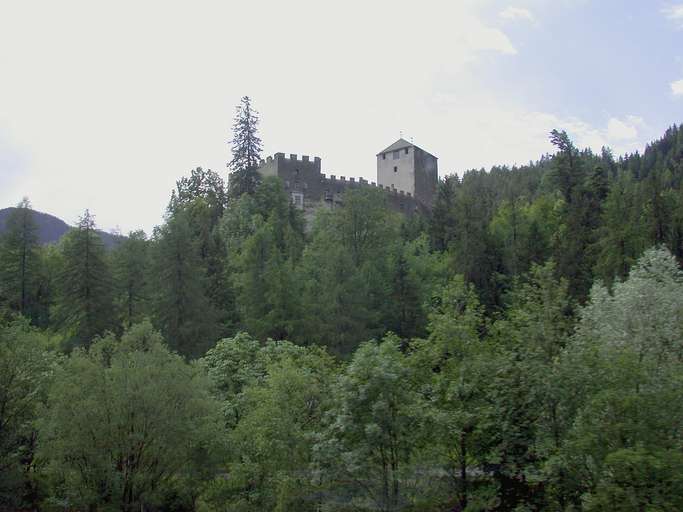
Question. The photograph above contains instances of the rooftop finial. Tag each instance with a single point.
(400, 134)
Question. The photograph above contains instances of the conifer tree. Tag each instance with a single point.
(574, 259)
(85, 302)
(202, 198)
(130, 265)
(19, 258)
(182, 308)
(246, 150)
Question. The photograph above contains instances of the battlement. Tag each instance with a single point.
(305, 159)
(333, 180)
(302, 175)
(293, 158)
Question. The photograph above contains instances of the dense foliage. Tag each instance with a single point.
(518, 350)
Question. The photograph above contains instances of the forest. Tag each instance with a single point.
(519, 349)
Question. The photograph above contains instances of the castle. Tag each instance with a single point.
(407, 173)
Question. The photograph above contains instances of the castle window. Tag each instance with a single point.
(298, 200)
(397, 155)
(406, 151)
(296, 172)
(395, 169)
(384, 156)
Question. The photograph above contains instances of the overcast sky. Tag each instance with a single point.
(103, 105)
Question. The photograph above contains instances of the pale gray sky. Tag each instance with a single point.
(103, 105)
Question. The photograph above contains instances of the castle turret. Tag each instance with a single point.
(404, 166)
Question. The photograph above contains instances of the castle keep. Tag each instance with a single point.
(407, 174)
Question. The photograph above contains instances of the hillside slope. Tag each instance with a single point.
(51, 228)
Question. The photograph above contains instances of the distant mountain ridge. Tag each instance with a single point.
(51, 228)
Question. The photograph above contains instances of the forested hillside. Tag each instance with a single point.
(519, 349)
(50, 229)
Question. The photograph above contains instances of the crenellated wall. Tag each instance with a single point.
(302, 178)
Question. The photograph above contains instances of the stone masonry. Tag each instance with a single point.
(409, 189)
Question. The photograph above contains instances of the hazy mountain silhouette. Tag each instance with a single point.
(51, 228)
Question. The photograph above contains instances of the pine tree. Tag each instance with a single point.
(202, 198)
(84, 305)
(19, 258)
(130, 265)
(568, 169)
(246, 150)
(183, 311)
(580, 214)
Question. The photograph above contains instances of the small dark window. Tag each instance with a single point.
(406, 151)
(384, 156)
(296, 172)
(395, 169)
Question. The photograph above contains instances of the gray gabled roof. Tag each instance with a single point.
(399, 144)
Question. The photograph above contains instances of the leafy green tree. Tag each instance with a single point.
(271, 446)
(26, 369)
(365, 224)
(246, 150)
(268, 296)
(638, 479)
(19, 260)
(451, 365)
(373, 429)
(126, 423)
(203, 200)
(264, 238)
(335, 295)
(204, 184)
(534, 330)
(346, 272)
(643, 312)
(623, 369)
(236, 363)
(84, 286)
(233, 364)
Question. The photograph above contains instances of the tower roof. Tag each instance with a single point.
(399, 144)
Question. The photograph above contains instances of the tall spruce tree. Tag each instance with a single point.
(246, 150)
(19, 259)
(182, 308)
(573, 246)
(85, 298)
(202, 197)
(131, 274)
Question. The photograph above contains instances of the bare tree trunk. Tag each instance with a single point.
(463, 470)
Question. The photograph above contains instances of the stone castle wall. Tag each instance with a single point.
(303, 179)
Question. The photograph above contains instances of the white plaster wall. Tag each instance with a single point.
(404, 178)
